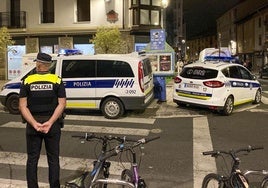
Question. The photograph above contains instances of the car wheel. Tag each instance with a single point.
(257, 99)
(112, 108)
(228, 106)
(12, 104)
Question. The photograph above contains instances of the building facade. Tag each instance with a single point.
(56, 24)
(245, 30)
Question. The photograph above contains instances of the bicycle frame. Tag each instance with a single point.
(102, 166)
(135, 169)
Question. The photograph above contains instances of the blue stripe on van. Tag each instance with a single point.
(107, 83)
(13, 85)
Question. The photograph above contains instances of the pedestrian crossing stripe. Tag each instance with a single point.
(90, 129)
(66, 163)
(11, 183)
(102, 118)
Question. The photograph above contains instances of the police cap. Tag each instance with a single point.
(43, 58)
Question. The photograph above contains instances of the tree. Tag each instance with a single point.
(5, 40)
(109, 40)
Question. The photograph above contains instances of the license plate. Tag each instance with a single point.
(195, 86)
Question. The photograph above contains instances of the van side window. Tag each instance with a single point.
(111, 68)
(147, 67)
(78, 68)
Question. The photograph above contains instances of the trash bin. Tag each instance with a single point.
(160, 88)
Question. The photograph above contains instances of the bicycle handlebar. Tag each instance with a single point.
(122, 147)
(90, 136)
(215, 153)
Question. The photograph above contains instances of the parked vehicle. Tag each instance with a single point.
(216, 85)
(264, 71)
(112, 83)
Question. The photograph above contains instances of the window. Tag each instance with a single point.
(48, 13)
(78, 68)
(144, 19)
(110, 68)
(147, 68)
(260, 40)
(245, 74)
(145, 2)
(154, 17)
(234, 72)
(198, 73)
(156, 2)
(83, 10)
(146, 12)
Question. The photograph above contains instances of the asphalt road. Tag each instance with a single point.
(174, 160)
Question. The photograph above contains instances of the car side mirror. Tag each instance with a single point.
(254, 77)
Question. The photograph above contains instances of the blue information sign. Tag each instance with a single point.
(158, 39)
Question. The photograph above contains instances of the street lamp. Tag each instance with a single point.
(164, 3)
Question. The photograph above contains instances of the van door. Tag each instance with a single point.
(114, 78)
(79, 79)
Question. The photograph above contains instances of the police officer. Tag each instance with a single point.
(42, 102)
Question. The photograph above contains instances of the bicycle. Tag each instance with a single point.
(264, 182)
(235, 179)
(99, 176)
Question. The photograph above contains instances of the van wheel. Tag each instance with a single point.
(112, 108)
(12, 104)
(228, 107)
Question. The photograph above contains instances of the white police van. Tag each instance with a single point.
(112, 83)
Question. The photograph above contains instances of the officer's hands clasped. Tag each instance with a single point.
(43, 127)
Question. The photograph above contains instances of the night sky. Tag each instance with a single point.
(200, 15)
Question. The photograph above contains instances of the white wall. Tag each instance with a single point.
(65, 15)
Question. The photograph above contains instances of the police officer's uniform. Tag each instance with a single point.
(42, 91)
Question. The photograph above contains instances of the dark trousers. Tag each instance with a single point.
(34, 141)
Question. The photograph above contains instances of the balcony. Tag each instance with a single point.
(14, 20)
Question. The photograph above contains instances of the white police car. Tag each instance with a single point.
(112, 83)
(216, 85)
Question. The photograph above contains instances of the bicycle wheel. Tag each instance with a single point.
(212, 181)
(264, 183)
(127, 175)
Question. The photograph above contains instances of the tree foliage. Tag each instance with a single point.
(108, 40)
(5, 39)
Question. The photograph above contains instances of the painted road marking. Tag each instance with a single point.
(102, 118)
(11, 183)
(90, 129)
(66, 163)
(202, 165)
